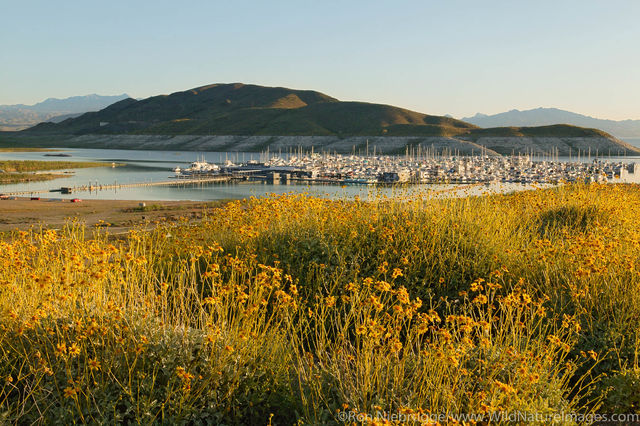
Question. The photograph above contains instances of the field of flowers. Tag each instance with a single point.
(293, 309)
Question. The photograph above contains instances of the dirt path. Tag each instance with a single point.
(22, 213)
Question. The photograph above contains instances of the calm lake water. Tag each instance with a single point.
(153, 166)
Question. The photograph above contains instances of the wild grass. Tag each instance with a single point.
(8, 178)
(21, 166)
(24, 149)
(294, 309)
(173, 207)
(15, 171)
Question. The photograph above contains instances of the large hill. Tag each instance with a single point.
(239, 109)
(20, 116)
(548, 116)
(240, 117)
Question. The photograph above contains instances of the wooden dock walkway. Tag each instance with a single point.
(101, 187)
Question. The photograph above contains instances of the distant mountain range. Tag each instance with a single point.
(241, 109)
(18, 117)
(236, 116)
(250, 110)
(548, 116)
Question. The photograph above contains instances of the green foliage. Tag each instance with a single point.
(623, 391)
(33, 166)
(572, 218)
(299, 307)
(14, 171)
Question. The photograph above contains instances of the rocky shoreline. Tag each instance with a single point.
(563, 146)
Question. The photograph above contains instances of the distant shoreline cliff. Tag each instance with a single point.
(562, 146)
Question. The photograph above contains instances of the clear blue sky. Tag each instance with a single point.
(437, 57)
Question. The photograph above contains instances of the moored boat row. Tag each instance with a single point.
(366, 170)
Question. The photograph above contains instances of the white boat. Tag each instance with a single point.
(198, 167)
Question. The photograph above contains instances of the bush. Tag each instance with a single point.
(290, 308)
(572, 218)
(622, 392)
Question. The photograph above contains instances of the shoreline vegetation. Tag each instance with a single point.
(299, 310)
(8, 178)
(17, 171)
(26, 149)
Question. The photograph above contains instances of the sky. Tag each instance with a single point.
(436, 57)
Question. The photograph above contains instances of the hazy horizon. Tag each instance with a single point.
(458, 58)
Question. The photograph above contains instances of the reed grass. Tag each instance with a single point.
(21, 166)
(16, 171)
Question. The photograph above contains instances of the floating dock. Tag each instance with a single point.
(98, 187)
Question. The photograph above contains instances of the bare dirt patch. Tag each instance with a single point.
(118, 215)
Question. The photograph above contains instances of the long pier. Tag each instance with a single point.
(101, 187)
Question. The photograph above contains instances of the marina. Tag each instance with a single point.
(339, 169)
(151, 175)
